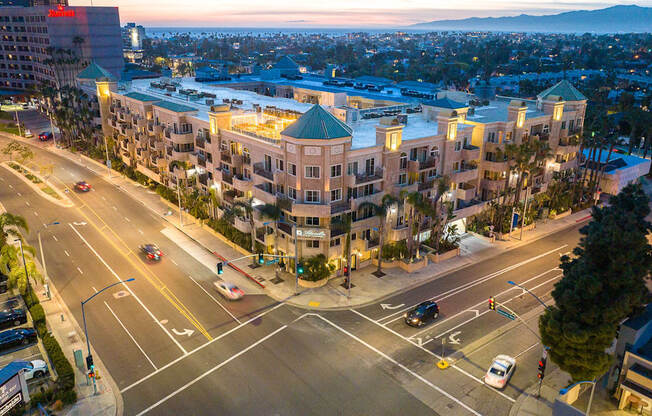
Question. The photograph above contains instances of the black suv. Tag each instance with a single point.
(16, 337)
(12, 317)
(422, 313)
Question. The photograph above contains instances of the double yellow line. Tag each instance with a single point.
(144, 271)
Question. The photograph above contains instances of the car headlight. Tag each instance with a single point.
(405, 314)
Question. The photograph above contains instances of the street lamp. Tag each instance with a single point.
(89, 358)
(40, 245)
(24, 264)
(567, 389)
(511, 282)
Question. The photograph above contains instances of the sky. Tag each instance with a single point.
(331, 13)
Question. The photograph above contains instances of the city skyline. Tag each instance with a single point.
(338, 13)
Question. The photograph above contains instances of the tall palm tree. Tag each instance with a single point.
(381, 212)
(245, 208)
(273, 213)
(343, 222)
(439, 217)
(10, 226)
(417, 209)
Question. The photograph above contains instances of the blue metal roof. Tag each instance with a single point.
(11, 369)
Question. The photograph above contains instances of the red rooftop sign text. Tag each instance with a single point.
(61, 12)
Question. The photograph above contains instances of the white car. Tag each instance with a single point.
(28, 134)
(228, 290)
(500, 371)
(38, 369)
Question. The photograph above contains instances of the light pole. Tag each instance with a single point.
(54, 135)
(18, 123)
(40, 246)
(588, 407)
(511, 282)
(24, 263)
(89, 358)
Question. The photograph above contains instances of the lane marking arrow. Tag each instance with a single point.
(452, 338)
(390, 307)
(79, 223)
(419, 341)
(185, 331)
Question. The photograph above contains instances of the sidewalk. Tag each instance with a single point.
(368, 288)
(528, 405)
(70, 336)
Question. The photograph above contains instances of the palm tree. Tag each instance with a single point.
(344, 224)
(381, 212)
(245, 208)
(10, 225)
(438, 218)
(273, 213)
(417, 206)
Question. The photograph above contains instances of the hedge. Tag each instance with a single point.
(233, 234)
(38, 314)
(66, 380)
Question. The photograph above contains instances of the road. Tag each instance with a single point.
(173, 345)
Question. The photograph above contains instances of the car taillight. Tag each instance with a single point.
(159, 253)
(151, 256)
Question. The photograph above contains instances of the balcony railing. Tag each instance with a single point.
(225, 157)
(369, 176)
(259, 169)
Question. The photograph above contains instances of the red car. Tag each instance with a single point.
(45, 136)
(151, 251)
(82, 186)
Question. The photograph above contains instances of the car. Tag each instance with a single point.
(228, 290)
(12, 317)
(151, 251)
(45, 136)
(422, 313)
(25, 106)
(502, 368)
(36, 369)
(28, 134)
(82, 186)
(15, 337)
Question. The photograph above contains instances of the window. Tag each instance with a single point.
(352, 168)
(491, 137)
(369, 166)
(546, 128)
(335, 242)
(563, 125)
(312, 172)
(292, 169)
(432, 173)
(312, 221)
(402, 179)
(393, 141)
(336, 195)
(434, 152)
(336, 171)
(403, 164)
(280, 189)
(456, 166)
(279, 165)
(312, 196)
(458, 146)
(366, 190)
(268, 163)
(292, 193)
(312, 243)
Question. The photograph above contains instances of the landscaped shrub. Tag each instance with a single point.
(233, 234)
(394, 251)
(38, 314)
(66, 380)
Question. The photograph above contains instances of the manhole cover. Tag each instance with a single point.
(120, 294)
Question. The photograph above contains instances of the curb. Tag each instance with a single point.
(68, 155)
(65, 202)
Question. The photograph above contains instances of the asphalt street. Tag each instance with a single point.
(173, 345)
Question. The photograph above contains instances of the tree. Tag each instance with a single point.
(317, 268)
(602, 285)
(10, 226)
(381, 212)
(245, 208)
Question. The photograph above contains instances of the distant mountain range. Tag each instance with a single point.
(616, 19)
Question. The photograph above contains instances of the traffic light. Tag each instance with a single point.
(219, 268)
(89, 361)
(261, 259)
(300, 268)
(346, 271)
(541, 368)
(91, 372)
(492, 304)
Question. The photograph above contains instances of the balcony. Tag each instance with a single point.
(259, 192)
(367, 177)
(425, 186)
(200, 143)
(339, 207)
(259, 169)
(562, 166)
(429, 163)
(470, 152)
(472, 208)
(568, 145)
(492, 185)
(465, 191)
(496, 166)
(397, 233)
(225, 157)
(242, 225)
(227, 178)
(181, 137)
(466, 174)
(242, 184)
(374, 198)
(307, 209)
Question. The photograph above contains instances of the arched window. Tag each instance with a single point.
(404, 160)
(434, 152)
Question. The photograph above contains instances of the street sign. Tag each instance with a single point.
(108, 163)
(506, 314)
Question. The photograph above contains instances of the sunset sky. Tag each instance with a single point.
(332, 13)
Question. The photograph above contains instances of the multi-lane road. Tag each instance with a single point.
(173, 346)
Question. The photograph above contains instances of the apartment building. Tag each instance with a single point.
(316, 167)
(30, 32)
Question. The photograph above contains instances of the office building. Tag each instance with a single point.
(132, 42)
(30, 36)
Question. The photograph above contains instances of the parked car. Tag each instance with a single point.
(12, 317)
(11, 303)
(502, 368)
(15, 337)
(228, 290)
(422, 314)
(82, 186)
(151, 251)
(4, 284)
(45, 136)
(28, 133)
(36, 369)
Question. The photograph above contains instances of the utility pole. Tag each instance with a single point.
(296, 261)
(18, 124)
(179, 199)
(54, 135)
(108, 161)
(527, 192)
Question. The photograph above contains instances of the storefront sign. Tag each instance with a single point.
(13, 402)
(311, 233)
(61, 12)
(10, 394)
